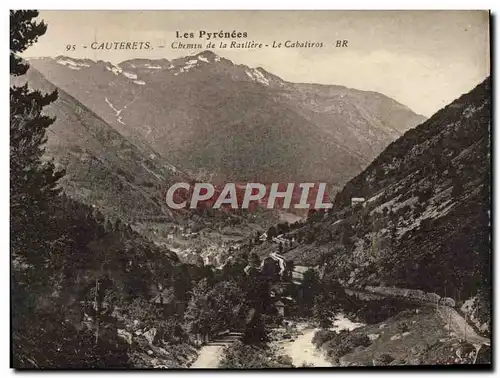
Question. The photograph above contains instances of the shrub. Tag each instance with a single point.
(383, 360)
(349, 343)
(403, 327)
(322, 336)
(344, 343)
(244, 356)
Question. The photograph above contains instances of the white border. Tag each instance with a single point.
(187, 4)
(254, 4)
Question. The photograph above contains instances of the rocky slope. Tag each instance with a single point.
(412, 337)
(223, 121)
(425, 222)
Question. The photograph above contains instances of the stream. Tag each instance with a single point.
(303, 352)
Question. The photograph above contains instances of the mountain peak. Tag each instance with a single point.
(209, 55)
(146, 64)
(206, 56)
(73, 63)
(150, 101)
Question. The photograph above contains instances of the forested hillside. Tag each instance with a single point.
(86, 290)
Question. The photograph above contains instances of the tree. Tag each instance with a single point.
(257, 238)
(311, 215)
(254, 260)
(458, 186)
(104, 300)
(38, 247)
(270, 269)
(425, 194)
(243, 356)
(271, 233)
(322, 310)
(283, 228)
(347, 233)
(228, 301)
(198, 313)
(23, 33)
(212, 310)
(255, 331)
(311, 286)
(234, 268)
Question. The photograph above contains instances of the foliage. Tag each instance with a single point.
(344, 342)
(242, 356)
(372, 312)
(271, 233)
(56, 343)
(73, 271)
(310, 288)
(215, 309)
(322, 336)
(383, 360)
(24, 31)
(322, 310)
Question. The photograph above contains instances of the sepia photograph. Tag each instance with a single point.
(250, 189)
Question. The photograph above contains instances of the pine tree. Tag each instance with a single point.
(271, 233)
(23, 33)
(322, 310)
(198, 313)
(37, 245)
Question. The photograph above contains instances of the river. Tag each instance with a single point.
(303, 352)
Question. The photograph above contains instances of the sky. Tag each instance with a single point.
(423, 59)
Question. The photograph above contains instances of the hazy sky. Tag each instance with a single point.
(423, 59)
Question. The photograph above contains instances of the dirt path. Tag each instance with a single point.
(208, 358)
(210, 355)
(460, 327)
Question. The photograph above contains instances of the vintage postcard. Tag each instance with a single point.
(250, 189)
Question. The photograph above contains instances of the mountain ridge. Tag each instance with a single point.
(424, 219)
(98, 160)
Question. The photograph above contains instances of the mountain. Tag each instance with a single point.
(425, 221)
(103, 169)
(226, 122)
(107, 171)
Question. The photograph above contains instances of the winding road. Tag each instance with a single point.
(460, 327)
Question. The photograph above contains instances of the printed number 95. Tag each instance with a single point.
(70, 47)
